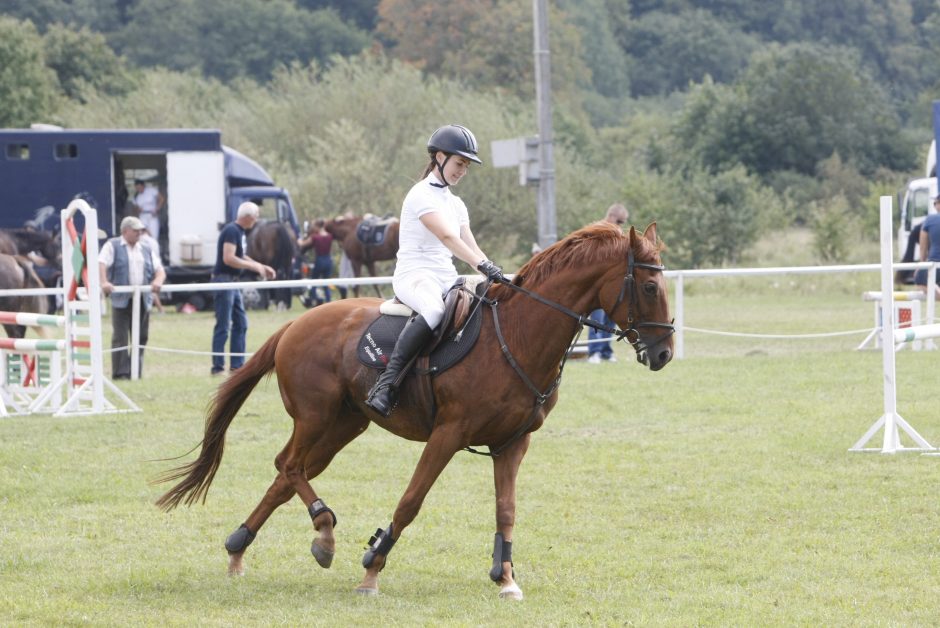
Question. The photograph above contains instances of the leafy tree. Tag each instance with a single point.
(484, 43)
(832, 230)
(704, 219)
(81, 59)
(158, 99)
(795, 106)
(27, 87)
(609, 64)
(360, 12)
(101, 15)
(676, 49)
(227, 39)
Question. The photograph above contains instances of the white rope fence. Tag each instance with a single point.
(678, 275)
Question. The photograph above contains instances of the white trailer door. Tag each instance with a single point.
(195, 184)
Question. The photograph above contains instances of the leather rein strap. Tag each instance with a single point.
(631, 334)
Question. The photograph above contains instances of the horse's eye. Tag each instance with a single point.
(650, 289)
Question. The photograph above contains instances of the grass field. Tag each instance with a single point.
(718, 491)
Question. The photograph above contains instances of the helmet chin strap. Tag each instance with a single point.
(440, 169)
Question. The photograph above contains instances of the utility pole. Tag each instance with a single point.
(548, 231)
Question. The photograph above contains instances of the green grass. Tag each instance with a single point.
(718, 491)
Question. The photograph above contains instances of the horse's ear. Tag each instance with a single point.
(650, 233)
(633, 236)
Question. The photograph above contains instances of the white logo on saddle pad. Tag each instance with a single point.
(373, 350)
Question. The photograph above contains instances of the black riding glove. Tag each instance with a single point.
(491, 270)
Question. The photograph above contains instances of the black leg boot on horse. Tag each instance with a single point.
(413, 337)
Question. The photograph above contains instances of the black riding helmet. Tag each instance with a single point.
(453, 139)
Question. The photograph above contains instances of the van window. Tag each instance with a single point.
(66, 151)
(920, 206)
(268, 208)
(18, 151)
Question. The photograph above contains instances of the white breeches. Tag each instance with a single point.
(424, 293)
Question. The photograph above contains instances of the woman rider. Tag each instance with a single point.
(434, 227)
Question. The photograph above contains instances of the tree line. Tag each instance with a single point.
(721, 119)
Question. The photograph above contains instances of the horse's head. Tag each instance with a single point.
(341, 226)
(634, 295)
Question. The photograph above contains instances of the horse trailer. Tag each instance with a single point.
(200, 183)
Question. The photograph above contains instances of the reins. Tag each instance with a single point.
(631, 334)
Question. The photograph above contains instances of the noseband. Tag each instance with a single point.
(631, 333)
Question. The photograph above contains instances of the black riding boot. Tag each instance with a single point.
(414, 336)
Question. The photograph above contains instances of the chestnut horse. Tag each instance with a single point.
(496, 396)
(343, 229)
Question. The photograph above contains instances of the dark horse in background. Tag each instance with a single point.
(495, 397)
(345, 230)
(275, 244)
(46, 263)
(16, 273)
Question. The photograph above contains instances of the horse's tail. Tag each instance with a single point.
(232, 393)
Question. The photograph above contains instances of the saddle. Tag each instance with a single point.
(452, 341)
(371, 231)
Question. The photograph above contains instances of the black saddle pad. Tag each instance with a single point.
(379, 340)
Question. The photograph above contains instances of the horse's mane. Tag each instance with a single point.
(586, 246)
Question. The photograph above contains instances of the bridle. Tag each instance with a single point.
(631, 334)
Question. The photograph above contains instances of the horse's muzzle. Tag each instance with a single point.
(658, 359)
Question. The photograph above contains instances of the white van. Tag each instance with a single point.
(916, 202)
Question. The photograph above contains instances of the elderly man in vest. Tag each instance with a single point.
(126, 261)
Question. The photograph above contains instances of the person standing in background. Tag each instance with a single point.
(929, 243)
(148, 202)
(128, 261)
(230, 261)
(321, 241)
(599, 347)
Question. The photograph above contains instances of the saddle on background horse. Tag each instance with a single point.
(371, 231)
(452, 341)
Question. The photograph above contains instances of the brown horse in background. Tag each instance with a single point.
(343, 229)
(16, 273)
(496, 396)
(45, 249)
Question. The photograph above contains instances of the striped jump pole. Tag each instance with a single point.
(21, 345)
(31, 320)
(907, 295)
(921, 332)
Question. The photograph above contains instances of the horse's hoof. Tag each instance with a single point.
(510, 592)
(324, 556)
(366, 591)
(236, 566)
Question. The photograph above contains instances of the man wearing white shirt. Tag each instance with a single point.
(147, 200)
(126, 261)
